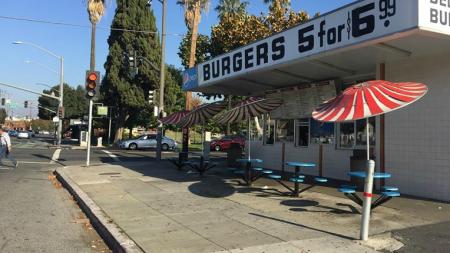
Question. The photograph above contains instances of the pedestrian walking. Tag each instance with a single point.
(5, 147)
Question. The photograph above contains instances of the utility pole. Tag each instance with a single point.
(161, 80)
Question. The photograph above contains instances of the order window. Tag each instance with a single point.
(353, 134)
(302, 133)
(285, 130)
(269, 131)
(322, 133)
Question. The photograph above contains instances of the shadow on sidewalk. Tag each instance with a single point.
(303, 226)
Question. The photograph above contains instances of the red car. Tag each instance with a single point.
(225, 142)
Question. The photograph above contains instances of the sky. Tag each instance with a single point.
(26, 66)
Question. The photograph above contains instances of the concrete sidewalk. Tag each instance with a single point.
(165, 210)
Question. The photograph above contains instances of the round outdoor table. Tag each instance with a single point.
(248, 168)
(363, 174)
(298, 166)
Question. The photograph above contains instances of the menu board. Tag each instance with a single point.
(300, 102)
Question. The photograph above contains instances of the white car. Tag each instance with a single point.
(24, 135)
(148, 141)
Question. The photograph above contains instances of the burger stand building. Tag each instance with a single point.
(394, 40)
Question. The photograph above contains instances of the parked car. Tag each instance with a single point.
(225, 142)
(31, 132)
(13, 133)
(24, 135)
(148, 141)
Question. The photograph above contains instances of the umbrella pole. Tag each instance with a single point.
(249, 144)
(368, 186)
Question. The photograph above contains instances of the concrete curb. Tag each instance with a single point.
(113, 236)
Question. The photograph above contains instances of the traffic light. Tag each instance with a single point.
(92, 81)
(61, 112)
(25, 104)
(151, 96)
(3, 101)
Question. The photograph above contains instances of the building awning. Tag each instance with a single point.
(344, 44)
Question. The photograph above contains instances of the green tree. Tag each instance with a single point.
(203, 49)
(43, 125)
(120, 88)
(75, 103)
(231, 7)
(3, 115)
(174, 99)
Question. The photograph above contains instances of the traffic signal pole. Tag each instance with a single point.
(162, 81)
(88, 155)
(61, 94)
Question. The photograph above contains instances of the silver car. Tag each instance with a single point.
(148, 141)
(24, 135)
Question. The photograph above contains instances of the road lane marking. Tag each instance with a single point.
(55, 156)
(113, 156)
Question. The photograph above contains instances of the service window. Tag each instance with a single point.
(269, 131)
(322, 133)
(353, 134)
(361, 132)
(347, 135)
(302, 132)
(285, 130)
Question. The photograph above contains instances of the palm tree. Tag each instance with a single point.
(233, 7)
(96, 9)
(192, 16)
(278, 4)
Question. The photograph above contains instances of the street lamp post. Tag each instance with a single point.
(61, 80)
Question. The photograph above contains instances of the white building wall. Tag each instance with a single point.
(418, 136)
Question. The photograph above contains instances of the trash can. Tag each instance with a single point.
(358, 162)
(234, 153)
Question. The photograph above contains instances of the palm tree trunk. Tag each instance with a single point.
(193, 50)
(229, 108)
(92, 61)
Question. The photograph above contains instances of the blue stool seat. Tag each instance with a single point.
(258, 169)
(300, 176)
(347, 190)
(390, 188)
(267, 171)
(348, 186)
(391, 194)
(296, 180)
(239, 172)
(321, 179)
(276, 177)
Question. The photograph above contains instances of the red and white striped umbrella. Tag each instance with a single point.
(201, 114)
(249, 108)
(366, 100)
(369, 99)
(174, 118)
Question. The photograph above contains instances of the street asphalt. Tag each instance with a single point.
(36, 213)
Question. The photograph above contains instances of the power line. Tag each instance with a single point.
(47, 22)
